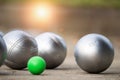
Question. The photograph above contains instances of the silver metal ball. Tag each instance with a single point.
(3, 51)
(52, 48)
(1, 34)
(94, 53)
(20, 47)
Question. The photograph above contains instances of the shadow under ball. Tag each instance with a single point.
(3, 50)
(20, 48)
(52, 48)
(94, 53)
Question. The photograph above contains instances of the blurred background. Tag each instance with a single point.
(68, 17)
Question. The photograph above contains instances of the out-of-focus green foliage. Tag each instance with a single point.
(74, 3)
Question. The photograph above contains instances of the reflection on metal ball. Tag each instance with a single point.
(3, 50)
(52, 48)
(94, 53)
(20, 47)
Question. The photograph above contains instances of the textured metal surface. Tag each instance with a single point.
(3, 50)
(52, 48)
(94, 53)
(68, 70)
(20, 47)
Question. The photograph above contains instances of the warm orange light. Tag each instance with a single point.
(40, 15)
(42, 12)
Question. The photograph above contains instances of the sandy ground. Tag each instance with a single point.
(68, 70)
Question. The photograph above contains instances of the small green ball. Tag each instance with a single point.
(36, 65)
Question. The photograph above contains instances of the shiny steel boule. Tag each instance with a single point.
(94, 53)
(1, 34)
(20, 47)
(3, 50)
(52, 48)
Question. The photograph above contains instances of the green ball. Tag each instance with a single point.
(36, 65)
